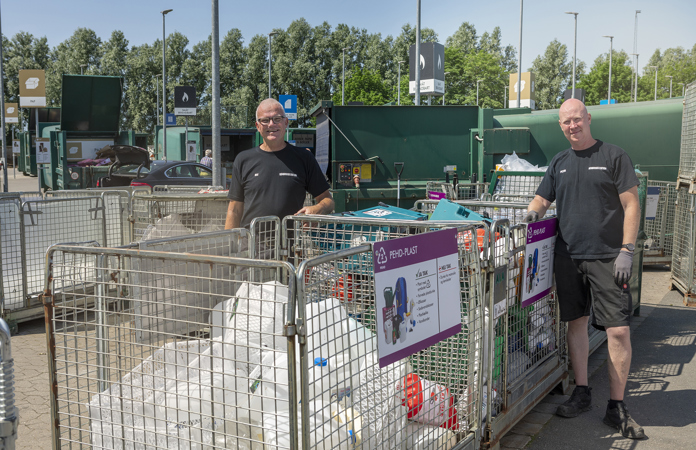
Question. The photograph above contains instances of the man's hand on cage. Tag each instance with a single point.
(532, 216)
(623, 266)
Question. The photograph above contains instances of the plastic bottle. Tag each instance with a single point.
(427, 402)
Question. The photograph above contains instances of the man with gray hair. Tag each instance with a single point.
(207, 160)
(272, 179)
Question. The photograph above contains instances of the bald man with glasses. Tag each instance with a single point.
(272, 179)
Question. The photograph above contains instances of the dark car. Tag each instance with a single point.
(183, 173)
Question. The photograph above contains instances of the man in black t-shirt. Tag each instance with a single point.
(595, 189)
(271, 179)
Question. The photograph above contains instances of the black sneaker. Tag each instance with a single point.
(622, 421)
(580, 401)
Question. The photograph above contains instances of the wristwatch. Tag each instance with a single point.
(629, 247)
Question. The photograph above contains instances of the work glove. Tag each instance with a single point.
(623, 265)
(532, 216)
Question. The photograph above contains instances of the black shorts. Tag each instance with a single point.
(586, 287)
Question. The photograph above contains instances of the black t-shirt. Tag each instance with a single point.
(274, 183)
(586, 185)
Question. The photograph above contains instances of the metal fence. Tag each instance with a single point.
(687, 153)
(166, 215)
(683, 275)
(660, 227)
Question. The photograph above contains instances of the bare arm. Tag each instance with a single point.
(539, 204)
(235, 210)
(631, 207)
(325, 205)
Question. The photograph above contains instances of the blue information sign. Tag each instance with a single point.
(289, 103)
(170, 119)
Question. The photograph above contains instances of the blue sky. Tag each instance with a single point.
(661, 25)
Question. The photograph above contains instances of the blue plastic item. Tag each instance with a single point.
(447, 210)
(386, 212)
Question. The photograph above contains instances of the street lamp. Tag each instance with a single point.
(343, 83)
(444, 90)
(164, 88)
(477, 91)
(82, 69)
(670, 84)
(519, 61)
(270, 35)
(683, 88)
(611, 50)
(635, 52)
(398, 95)
(157, 90)
(655, 67)
(635, 99)
(504, 96)
(575, 49)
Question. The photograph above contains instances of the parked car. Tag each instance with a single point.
(183, 173)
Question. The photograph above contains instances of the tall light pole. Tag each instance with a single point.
(519, 60)
(504, 96)
(164, 88)
(157, 90)
(270, 36)
(575, 49)
(477, 91)
(670, 84)
(398, 95)
(343, 83)
(635, 92)
(683, 88)
(418, 39)
(635, 53)
(444, 90)
(655, 67)
(611, 51)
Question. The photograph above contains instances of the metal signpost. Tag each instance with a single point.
(185, 105)
(432, 64)
(32, 94)
(11, 116)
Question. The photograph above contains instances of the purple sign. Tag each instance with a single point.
(538, 260)
(418, 295)
(433, 195)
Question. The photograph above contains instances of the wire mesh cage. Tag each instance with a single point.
(683, 276)
(166, 215)
(117, 204)
(380, 407)
(13, 259)
(471, 191)
(659, 227)
(687, 153)
(167, 350)
(440, 189)
(515, 184)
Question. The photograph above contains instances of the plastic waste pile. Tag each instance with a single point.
(232, 390)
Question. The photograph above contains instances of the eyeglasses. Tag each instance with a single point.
(267, 120)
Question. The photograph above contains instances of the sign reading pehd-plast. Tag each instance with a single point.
(418, 298)
(537, 268)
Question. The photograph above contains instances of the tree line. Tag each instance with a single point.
(308, 61)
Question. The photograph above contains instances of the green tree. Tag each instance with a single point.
(552, 73)
(464, 71)
(82, 48)
(596, 82)
(365, 86)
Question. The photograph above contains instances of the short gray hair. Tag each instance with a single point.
(268, 102)
(208, 152)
